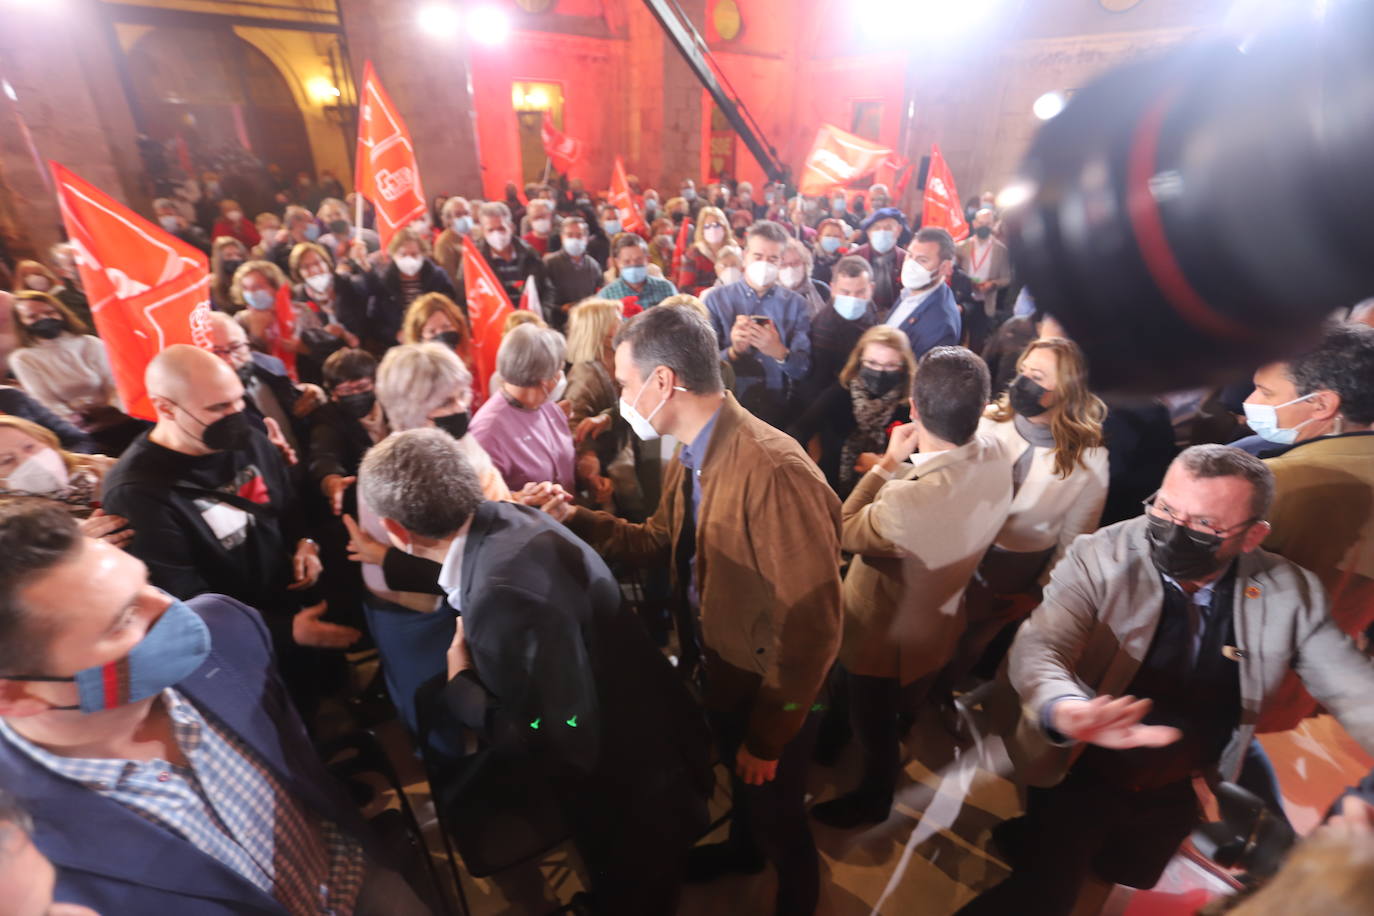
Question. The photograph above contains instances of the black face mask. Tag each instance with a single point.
(231, 432)
(455, 424)
(47, 328)
(1182, 553)
(339, 228)
(1025, 397)
(245, 373)
(880, 381)
(450, 339)
(357, 405)
(983, 231)
(229, 265)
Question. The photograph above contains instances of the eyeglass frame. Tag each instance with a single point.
(232, 349)
(1149, 504)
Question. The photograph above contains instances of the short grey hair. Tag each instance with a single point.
(494, 208)
(421, 480)
(163, 203)
(413, 379)
(529, 355)
(1208, 461)
(296, 212)
(678, 339)
(941, 238)
(450, 205)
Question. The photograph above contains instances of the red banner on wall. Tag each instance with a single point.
(147, 289)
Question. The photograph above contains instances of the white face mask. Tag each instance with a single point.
(541, 225)
(319, 283)
(169, 222)
(234, 215)
(791, 277)
(638, 422)
(730, 275)
(42, 472)
(714, 234)
(560, 389)
(915, 275)
(409, 264)
(761, 274)
(882, 240)
(575, 247)
(498, 239)
(1264, 420)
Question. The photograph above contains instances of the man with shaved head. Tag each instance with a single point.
(218, 510)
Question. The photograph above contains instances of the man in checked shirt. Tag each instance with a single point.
(152, 743)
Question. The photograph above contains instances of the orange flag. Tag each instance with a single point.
(838, 158)
(387, 173)
(631, 220)
(942, 207)
(284, 330)
(148, 289)
(563, 151)
(680, 249)
(488, 306)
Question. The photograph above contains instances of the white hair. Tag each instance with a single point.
(414, 379)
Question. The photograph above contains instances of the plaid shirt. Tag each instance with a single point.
(229, 805)
(654, 291)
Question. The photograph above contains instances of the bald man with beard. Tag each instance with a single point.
(217, 512)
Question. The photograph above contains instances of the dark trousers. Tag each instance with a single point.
(1082, 827)
(770, 820)
(874, 705)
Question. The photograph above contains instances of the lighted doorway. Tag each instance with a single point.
(531, 100)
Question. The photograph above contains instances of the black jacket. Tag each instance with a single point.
(569, 696)
(18, 403)
(337, 443)
(388, 306)
(831, 417)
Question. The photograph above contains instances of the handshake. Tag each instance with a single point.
(546, 497)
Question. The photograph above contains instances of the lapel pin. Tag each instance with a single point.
(1252, 591)
(1233, 653)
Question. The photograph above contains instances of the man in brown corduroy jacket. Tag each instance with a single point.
(750, 530)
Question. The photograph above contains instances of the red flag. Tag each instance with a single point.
(529, 297)
(148, 290)
(387, 173)
(838, 158)
(488, 306)
(283, 334)
(680, 249)
(631, 220)
(942, 207)
(561, 149)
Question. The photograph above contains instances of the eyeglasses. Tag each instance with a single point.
(1200, 530)
(361, 386)
(231, 350)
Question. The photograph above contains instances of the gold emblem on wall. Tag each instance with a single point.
(726, 19)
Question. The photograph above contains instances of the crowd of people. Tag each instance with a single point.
(807, 477)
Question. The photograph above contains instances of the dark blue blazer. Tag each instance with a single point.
(114, 861)
(935, 323)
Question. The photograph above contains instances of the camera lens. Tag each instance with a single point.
(1199, 214)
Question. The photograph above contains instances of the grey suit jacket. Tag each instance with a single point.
(1099, 615)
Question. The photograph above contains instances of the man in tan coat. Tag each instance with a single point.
(917, 530)
(750, 531)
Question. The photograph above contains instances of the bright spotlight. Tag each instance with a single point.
(439, 19)
(1049, 105)
(9, 90)
(891, 22)
(1014, 195)
(489, 25)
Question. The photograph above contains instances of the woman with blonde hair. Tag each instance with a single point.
(33, 463)
(227, 254)
(593, 399)
(850, 420)
(254, 289)
(35, 275)
(435, 318)
(698, 269)
(1051, 427)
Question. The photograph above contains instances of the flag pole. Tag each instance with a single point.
(358, 213)
(548, 164)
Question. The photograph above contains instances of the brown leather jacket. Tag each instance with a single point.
(767, 567)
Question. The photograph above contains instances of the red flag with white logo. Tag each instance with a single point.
(561, 149)
(942, 207)
(387, 173)
(488, 307)
(631, 219)
(147, 288)
(838, 158)
(283, 333)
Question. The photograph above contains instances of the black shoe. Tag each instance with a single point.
(850, 811)
(707, 863)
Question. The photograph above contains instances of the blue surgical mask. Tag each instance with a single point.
(461, 224)
(260, 299)
(175, 645)
(882, 240)
(831, 244)
(1264, 420)
(312, 232)
(634, 275)
(612, 226)
(850, 308)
